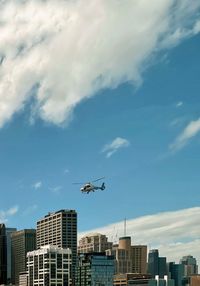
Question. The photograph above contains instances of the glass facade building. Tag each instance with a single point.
(95, 269)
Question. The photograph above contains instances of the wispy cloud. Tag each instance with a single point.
(66, 171)
(190, 131)
(94, 57)
(56, 190)
(179, 104)
(175, 233)
(30, 209)
(4, 215)
(37, 185)
(114, 146)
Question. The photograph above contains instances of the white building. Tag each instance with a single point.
(49, 265)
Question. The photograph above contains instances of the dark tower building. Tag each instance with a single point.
(22, 242)
(156, 265)
(9, 231)
(153, 262)
(3, 255)
(59, 229)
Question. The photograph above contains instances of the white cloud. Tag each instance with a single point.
(174, 233)
(191, 130)
(114, 146)
(37, 185)
(179, 104)
(57, 53)
(4, 215)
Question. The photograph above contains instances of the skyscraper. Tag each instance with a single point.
(3, 254)
(95, 269)
(190, 265)
(49, 265)
(9, 231)
(176, 272)
(22, 242)
(94, 242)
(156, 265)
(59, 229)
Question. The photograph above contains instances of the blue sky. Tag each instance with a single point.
(154, 112)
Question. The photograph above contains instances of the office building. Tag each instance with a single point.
(124, 279)
(190, 265)
(22, 242)
(49, 265)
(95, 269)
(176, 272)
(128, 258)
(9, 231)
(156, 265)
(94, 242)
(3, 255)
(59, 229)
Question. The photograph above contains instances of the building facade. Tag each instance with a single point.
(127, 278)
(128, 258)
(95, 269)
(59, 229)
(49, 266)
(193, 280)
(3, 255)
(22, 242)
(190, 265)
(9, 231)
(94, 242)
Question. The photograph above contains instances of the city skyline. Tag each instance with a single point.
(118, 98)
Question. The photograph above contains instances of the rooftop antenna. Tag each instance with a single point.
(125, 227)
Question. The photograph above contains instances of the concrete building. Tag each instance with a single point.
(9, 231)
(49, 265)
(193, 280)
(59, 229)
(22, 242)
(3, 255)
(124, 279)
(190, 265)
(94, 242)
(23, 279)
(95, 269)
(128, 258)
(156, 265)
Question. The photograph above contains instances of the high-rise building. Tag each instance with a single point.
(59, 229)
(129, 258)
(49, 265)
(94, 242)
(9, 231)
(22, 242)
(156, 265)
(3, 255)
(176, 272)
(95, 269)
(190, 265)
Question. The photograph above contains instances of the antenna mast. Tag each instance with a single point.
(125, 227)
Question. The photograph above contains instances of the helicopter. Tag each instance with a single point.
(90, 187)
